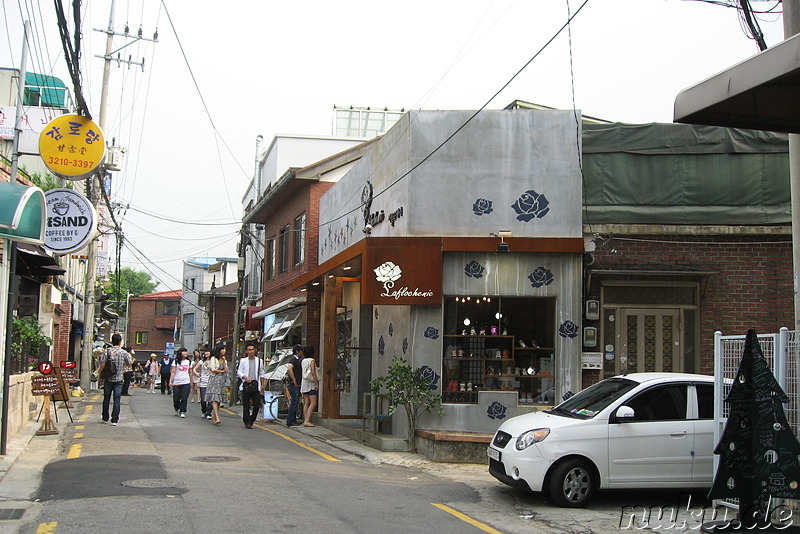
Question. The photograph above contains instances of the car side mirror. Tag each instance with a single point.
(625, 414)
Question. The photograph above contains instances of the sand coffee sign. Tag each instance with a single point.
(71, 221)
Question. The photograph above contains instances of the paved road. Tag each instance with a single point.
(158, 473)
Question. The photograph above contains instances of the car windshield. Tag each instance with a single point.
(594, 399)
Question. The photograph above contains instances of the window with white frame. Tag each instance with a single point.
(299, 238)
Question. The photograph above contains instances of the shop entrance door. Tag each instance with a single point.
(650, 341)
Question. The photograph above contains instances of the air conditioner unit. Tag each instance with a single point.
(115, 158)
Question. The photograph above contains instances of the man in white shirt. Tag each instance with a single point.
(250, 386)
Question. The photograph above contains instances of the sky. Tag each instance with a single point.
(223, 73)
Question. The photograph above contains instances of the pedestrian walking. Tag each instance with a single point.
(295, 373)
(249, 373)
(166, 369)
(194, 392)
(310, 385)
(127, 375)
(153, 369)
(179, 381)
(215, 390)
(112, 386)
(138, 373)
(202, 372)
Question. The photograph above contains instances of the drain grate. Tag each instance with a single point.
(153, 483)
(10, 514)
(215, 459)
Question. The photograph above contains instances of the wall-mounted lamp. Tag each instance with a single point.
(502, 246)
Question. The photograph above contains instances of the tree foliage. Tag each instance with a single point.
(48, 181)
(130, 281)
(411, 388)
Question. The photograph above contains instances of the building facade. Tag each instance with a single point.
(154, 322)
(201, 274)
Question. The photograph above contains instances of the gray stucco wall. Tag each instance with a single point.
(522, 165)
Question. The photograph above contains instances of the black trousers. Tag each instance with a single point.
(165, 384)
(126, 382)
(251, 404)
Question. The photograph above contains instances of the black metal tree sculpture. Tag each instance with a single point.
(758, 450)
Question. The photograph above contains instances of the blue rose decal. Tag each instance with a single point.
(496, 411)
(405, 345)
(568, 329)
(474, 269)
(429, 375)
(391, 329)
(541, 276)
(531, 205)
(482, 207)
(431, 333)
(381, 346)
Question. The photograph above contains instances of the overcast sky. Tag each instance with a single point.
(223, 73)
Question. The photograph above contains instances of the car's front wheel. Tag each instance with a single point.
(572, 483)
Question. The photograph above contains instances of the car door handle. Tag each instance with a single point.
(678, 434)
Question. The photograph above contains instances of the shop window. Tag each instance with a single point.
(499, 344)
(270, 260)
(141, 338)
(188, 323)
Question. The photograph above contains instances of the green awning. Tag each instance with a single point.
(22, 213)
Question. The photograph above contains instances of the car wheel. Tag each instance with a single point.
(572, 484)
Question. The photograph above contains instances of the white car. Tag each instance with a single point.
(643, 430)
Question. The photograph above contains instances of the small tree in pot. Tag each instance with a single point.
(28, 343)
(414, 389)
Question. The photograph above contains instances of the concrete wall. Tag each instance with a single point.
(500, 160)
(22, 405)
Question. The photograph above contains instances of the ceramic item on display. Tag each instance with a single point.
(462, 386)
(464, 332)
(517, 371)
(521, 343)
(493, 331)
(531, 371)
(506, 354)
(469, 386)
(460, 353)
(472, 331)
(505, 332)
(483, 331)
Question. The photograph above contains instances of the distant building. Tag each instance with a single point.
(219, 305)
(199, 275)
(153, 321)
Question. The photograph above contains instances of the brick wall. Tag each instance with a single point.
(141, 319)
(752, 286)
(224, 318)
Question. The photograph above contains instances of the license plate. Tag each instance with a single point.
(494, 454)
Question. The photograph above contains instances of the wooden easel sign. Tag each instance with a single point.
(47, 385)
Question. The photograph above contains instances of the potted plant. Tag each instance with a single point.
(28, 343)
(414, 389)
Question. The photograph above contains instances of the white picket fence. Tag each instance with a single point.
(782, 351)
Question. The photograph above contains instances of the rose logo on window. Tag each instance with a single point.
(388, 273)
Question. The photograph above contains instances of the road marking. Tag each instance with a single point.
(86, 413)
(47, 528)
(467, 519)
(287, 438)
(97, 397)
(79, 427)
(78, 435)
(74, 451)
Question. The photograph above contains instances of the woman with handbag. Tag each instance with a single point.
(217, 367)
(180, 382)
(201, 373)
(309, 386)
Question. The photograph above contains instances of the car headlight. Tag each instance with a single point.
(526, 439)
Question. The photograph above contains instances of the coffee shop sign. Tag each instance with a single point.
(388, 273)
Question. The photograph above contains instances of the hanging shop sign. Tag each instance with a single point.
(72, 146)
(403, 271)
(71, 221)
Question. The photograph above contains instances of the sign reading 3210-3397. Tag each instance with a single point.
(72, 146)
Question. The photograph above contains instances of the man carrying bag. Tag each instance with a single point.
(249, 373)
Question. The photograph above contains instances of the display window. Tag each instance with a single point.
(496, 343)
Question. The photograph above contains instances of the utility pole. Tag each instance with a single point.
(94, 197)
(237, 324)
(791, 26)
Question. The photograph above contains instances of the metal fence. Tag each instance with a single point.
(782, 352)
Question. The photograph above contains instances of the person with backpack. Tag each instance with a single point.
(112, 364)
(310, 384)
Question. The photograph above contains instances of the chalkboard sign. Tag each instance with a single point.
(46, 385)
(70, 375)
(63, 391)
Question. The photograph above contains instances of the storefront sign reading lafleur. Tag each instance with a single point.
(71, 221)
(403, 271)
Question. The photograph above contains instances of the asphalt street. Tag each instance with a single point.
(159, 473)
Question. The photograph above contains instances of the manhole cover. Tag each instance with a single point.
(215, 459)
(153, 483)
